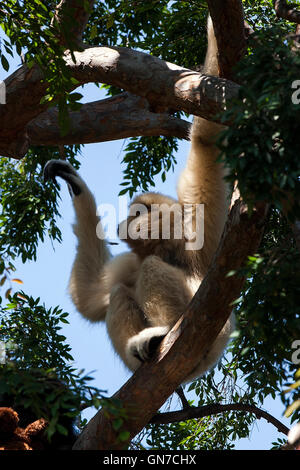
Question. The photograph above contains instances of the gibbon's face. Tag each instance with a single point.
(154, 222)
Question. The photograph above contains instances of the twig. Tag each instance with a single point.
(184, 402)
(216, 408)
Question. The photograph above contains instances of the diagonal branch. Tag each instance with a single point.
(216, 408)
(121, 116)
(194, 333)
(287, 12)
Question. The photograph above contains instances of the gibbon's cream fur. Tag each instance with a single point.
(141, 294)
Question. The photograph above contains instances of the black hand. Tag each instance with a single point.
(64, 170)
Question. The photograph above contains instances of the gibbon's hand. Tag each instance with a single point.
(143, 345)
(64, 169)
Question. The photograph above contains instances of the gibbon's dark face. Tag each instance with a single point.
(154, 223)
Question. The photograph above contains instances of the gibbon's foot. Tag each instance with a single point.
(143, 345)
(64, 169)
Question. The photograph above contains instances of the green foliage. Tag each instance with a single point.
(165, 29)
(31, 30)
(221, 385)
(38, 375)
(268, 315)
(260, 13)
(188, 435)
(146, 157)
(260, 153)
(261, 145)
(28, 206)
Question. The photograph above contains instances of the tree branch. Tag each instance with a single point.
(71, 17)
(229, 27)
(194, 333)
(166, 87)
(184, 401)
(216, 408)
(287, 12)
(113, 118)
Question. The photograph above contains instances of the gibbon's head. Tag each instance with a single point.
(154, 226)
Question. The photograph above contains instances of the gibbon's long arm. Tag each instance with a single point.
(88, 285)
(94, 272)
(202, 181)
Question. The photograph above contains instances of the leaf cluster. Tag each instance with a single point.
(268, 315)
(38, 375)
(29, 207)
(261, 147)
(145, 157)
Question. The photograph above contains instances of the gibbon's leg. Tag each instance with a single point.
(125, 320)
(162, 291)
(202, 181)
(88, 285)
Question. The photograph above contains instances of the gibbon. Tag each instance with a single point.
(141, 294)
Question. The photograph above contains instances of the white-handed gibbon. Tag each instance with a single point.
(142, 293)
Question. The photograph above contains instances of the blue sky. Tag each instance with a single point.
(48, 278)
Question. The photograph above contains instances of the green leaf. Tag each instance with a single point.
(124, 436)
(4, 63)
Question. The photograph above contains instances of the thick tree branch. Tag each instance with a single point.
(216, 408)
(24, 90)
(164, 85)
(229, 27)
(71, 17)
(287, 12)
(113, 118)
(190, 338)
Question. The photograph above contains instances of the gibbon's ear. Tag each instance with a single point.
(64, 170)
